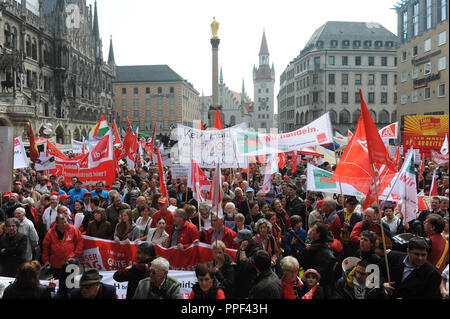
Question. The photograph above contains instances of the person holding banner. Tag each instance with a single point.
(100, 227)
(183, 233)
(158, 236)
(163, 212)
(219, 231)
(126, 229)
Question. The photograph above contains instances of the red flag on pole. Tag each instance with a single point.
(152, 144)
(397, 158)
(162, 180)
(198, 182)
(34, 153)
(433, 188)
(116, 133)
(215, 196)
(422, 168)
(201, 127)
(218, 121)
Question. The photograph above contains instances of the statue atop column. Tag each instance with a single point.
(215, 28)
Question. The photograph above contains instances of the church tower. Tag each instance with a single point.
(264, 84)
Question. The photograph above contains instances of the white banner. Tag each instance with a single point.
(250, 143)
(209, 148)
(20, 155)
(45, 163)
(77, 146)
(179, 171)
(319, 180)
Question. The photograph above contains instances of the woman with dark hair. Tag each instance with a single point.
(80, 216)
(143, 222)
(27, 285)
(254, 215)
(159, 236)
(99, 227)
(283, 220)
(126, 229)
(207, 287)
(367, 245)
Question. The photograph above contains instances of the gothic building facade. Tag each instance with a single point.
(52, 70)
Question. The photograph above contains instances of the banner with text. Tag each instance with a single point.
(20, 155)
(250, 143)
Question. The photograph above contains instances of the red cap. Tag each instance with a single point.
(54, 193)
(319, 203)
(286, 177)
(17, 183)
(63, 197)
(7, 194)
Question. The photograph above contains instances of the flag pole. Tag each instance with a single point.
(381, 226)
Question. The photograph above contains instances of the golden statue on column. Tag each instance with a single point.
(214, 28)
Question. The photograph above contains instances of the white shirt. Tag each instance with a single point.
(27, 228)
(49, 217)
(42, 189)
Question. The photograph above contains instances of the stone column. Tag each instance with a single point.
(215, 71)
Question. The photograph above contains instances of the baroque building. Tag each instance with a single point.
(52, 70)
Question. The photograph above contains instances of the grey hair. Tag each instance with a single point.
(330, 203)
(263, 221)
(12, 220)
(20, 209)
(239, 216)
(204, 206)
(289, 263)
(230, 204)
(163, 263)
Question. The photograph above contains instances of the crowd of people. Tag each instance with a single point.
(291, 243)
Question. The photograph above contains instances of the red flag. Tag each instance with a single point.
(433, 188)
(422, 168)
(162, 180)
(198, 182)
(201, 127)
(128, 124)
(365, 155)
(397, 158)
(52, 150)
(218, 121)
(422, 203)
(150, 149)
(294, 162)
(34, 153)
(116, 134)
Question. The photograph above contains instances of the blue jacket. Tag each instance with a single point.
(286, 243)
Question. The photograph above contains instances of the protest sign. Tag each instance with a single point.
(209, 148)
(45, 163)
(6, 158)
(20, 155)
(250, 143)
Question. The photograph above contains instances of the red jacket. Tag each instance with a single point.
(438, 255)
(187, 234)
(228, 238)
(58, 251)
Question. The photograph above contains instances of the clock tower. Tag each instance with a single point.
(264, 83)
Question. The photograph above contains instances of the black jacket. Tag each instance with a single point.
(133, 275)
(212, 294)
(245, 273)
(105, 292)
(13, 292)
(267, 286)
(345, 288)
(14, 256)
(225, 276)
(295, 207)
(319, 257)
(422, 283)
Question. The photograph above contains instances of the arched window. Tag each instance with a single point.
(394, 117)
(333, 117)
(307, 117)
(344, 117)
(13, 38)
(28, 46)
(7, 33)
(383, 117)
(34, 49)
(302, 118)
(297, 119)
(356, 116)
(232, 120)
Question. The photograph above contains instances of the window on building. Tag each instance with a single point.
(403, 99)
(371, 78)
(384, 61)
(331, 97)
(384, 79)
(395, 98)
(357, 60)
(403, 56)
(172, 101)
(344, 78)
(426, 93)
(135, 102)
(160, 125)
(442, 10)
(357, 79)
(124, 90)
(345, 43)
(427, 68)
(428, 14)
(403, 76)
(441, 90)
(124, 113)
(148, 126)
(148, 113)
(414, 50)
(124, 102)
(395, 61)
(315, 79)
(415, 19)
(172, 90)
(160, 90)
(331, 78)
(357, 98)
(331, 60)
(371, 98)
(344, 96)
(371, 61)
(147, 90)
(427, 45)
(367, 43)
(147, 102)
(172, 113)
(160, 101)
(442, 63)
(315, 97)
(160, 113)
(357, 43)
(404, 26)
(442, 38)
(384, 97)
(136, 90)
(344, 60)
(136, 113)
(414, 96)
(415, 72)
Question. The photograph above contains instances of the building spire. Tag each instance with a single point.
(111, 60)
(264, 48)
(95, 26)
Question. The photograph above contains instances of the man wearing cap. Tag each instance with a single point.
(91, 287)
(29, 192)
(183, 233)
(244, 207)
(245, 270)
(17, 186)
(65, 200)
(163, 203)
(76, 193)
(412, 276)
(349, 216)
(42, 186)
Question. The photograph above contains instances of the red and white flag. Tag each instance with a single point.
(117, 140)
(422, 168)
(102, 152)
(198, 182)
(433, 188)
(350, 135)
(422, 202)
(390, 131)
(271, 168)
(162, 178)
(366, 159)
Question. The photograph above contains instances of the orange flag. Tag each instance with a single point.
(34, 153)
(218, 121)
